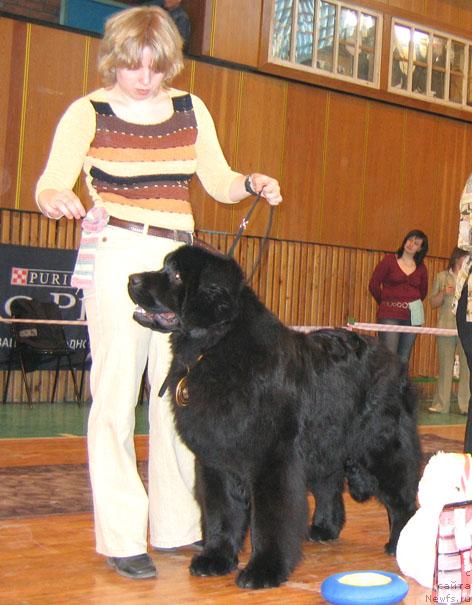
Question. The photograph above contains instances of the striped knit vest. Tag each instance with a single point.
(147, 154)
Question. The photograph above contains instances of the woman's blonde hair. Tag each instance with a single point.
(129, 32)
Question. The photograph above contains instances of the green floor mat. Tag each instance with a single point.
(58, 419)
(54, 420)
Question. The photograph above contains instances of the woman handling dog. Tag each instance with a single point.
(139, 142)
(399, 280)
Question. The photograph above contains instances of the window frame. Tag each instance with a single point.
(312, 69)
(429, 96)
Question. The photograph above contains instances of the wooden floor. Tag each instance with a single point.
(52, 560)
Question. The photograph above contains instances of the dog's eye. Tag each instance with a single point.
(177, 276)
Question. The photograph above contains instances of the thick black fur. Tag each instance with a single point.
(272, 413)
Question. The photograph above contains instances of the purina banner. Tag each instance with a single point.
(43, 274)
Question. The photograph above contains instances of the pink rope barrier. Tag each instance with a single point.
(61, 322)
(350, 326)
(357, 325)
(411, 329)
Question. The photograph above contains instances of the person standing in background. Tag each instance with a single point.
(178, 14)
(398, 280)
(462, 303)
(441, 297)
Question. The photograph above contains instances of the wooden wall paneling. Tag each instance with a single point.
(183, 81)
(380, 215)
(368, 266)
(342, 286)
(282, 282)
(277, 280)
(360, 306)
(296, 282)
(416, 207)
(299, 216)
(241, 254)
(344, 171)
(338, 288)
(13, 36)
(200, 13)
(7, 177)
(293, 279)
(259, 279)
(450, 12)
(219, 89)
(452, 157)
(309, 317)
(92, 80)
(55, 79)
(317, 301)
(291, 297)
(329, 310)
(265, 275)
(305, 285)
(236, 30)
(322, 283)
(260, 142)
(411, 6)
(15, 227)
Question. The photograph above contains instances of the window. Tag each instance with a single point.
(431, 65)
(332, 38)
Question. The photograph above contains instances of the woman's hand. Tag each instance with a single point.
(56, 204)
(267, 186)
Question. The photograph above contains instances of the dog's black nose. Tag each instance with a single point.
(135, 279)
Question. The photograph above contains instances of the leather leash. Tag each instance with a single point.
(242, 228)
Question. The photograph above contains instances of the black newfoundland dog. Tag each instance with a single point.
(271, 413)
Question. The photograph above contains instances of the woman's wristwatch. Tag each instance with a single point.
(248, 185)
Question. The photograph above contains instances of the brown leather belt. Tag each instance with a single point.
(175, 234)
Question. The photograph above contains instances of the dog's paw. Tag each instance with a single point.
(321, 534)
(391, 547)
(212, 565)
(260, 576)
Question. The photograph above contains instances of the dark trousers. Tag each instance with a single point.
(400, 343)
(464, 329)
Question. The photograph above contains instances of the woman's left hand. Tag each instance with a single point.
(267, 186)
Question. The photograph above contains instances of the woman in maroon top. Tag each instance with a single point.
(397, 280)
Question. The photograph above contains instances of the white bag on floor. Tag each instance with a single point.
(447, 478)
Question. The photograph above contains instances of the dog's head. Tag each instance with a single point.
(194, 290)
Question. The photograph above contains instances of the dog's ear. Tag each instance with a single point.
(215, 299)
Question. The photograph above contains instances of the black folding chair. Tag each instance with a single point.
(36, 345)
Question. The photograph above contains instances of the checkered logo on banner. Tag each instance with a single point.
(19, 276)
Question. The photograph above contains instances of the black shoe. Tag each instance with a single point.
(139, 567)
(198, 545)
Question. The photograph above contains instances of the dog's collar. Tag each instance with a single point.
(181, 390)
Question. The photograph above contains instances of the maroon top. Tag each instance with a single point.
(390, 284)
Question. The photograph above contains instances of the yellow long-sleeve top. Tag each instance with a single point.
(139, 172)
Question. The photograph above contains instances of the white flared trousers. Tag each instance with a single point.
(120, 348)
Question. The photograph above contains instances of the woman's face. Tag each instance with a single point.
(141, 83)
(458, 264)
(413, 245)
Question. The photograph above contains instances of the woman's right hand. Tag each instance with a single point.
(56, 204)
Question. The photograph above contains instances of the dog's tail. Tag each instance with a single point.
(362, 485)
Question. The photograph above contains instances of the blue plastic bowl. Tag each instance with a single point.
(368, 587)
